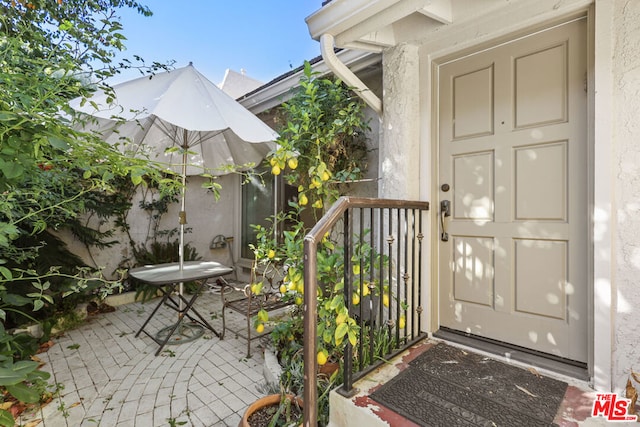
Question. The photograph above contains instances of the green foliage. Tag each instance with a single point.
(287, 336)
(322, 139)
(50, 173)
(20, 378)
(321, 146)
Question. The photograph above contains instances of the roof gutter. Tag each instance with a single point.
(346, 75)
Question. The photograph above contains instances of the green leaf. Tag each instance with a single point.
(136, 179)
(17, 300)
(25, 367)
(37, 305)
(6, 419)
(337, 301)
(353, 337)
(7, 115)
(11, 170)
(65, 25)
(10, 377)
(58, 143)
(24, 393)
(38, 375)
(6, 273)
(341, 331)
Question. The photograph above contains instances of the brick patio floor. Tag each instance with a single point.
(111, 378)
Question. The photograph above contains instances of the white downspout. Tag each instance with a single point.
(346, 75)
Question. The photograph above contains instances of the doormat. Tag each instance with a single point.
(447, 386)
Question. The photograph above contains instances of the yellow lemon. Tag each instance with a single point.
(299, 300)
(355, 299)
(317, 204)
(325, 176)
(385, 300)
(283, 289)
(275, 170)
(322, 358)
(365, 290)
(300, 287)
(293, 163)
(303, 200)
(402, 322)
(356, 269)
(293, 285)
(271, 254)
(260, 328)
(263, 316)
(273, 161)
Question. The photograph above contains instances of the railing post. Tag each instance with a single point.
(348, 350)
(342, 209)
(310, 395)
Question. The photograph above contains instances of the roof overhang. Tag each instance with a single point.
(373, 25)
(279, 90)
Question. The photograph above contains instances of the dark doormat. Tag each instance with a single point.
(447, 386)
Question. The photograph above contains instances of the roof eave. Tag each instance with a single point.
(279, 90)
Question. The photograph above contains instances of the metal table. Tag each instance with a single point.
(168, 277)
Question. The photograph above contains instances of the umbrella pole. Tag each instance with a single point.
(183, 212)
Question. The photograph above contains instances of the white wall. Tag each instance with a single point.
(206, 217)
(399, 164)
(626, 192)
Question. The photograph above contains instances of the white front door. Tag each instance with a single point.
(513, 153)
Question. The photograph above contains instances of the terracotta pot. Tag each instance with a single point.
(272, 399)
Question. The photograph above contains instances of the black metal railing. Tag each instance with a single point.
(383, 252)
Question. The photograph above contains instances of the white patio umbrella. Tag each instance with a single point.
(180, 109)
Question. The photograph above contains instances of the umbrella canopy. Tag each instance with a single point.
(157, 111)
(183, 110)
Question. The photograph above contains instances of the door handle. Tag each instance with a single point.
(445, 211)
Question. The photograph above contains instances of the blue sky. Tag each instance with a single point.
(264, 37)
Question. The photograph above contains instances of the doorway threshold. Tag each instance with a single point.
(570, 368)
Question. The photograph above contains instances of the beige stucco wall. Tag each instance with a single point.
(614, 154)
(399, 168)
(626, 168)
(206, 218)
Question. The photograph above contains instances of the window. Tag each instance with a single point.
(259, 204)
(257, 207)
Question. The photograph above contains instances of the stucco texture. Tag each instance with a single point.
(626, 143)
(206, 218)
(400, 153)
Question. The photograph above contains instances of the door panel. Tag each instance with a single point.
(512, 147)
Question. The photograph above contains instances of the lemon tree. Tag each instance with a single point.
(322, 145)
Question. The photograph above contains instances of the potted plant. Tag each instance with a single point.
(273, 410)
(282, 405)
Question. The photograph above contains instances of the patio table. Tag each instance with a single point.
(168, 277)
